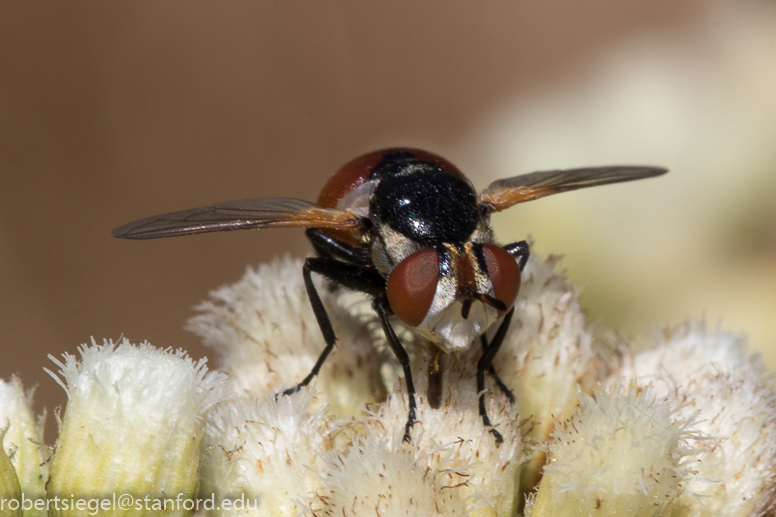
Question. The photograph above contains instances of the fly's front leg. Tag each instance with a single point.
(520, 251)
(404, 360)
(353, 277)
(486, 362)
(492, 370)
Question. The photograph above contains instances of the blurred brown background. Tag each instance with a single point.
(113, 111)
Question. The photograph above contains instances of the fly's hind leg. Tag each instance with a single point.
(357, 278)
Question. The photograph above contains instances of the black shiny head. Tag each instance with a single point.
(424, 202)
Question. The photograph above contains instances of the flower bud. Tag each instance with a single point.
(134, 423)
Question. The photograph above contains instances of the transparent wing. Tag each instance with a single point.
(504, 193)
(242, 214)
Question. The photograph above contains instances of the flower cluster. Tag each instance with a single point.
(685, 427)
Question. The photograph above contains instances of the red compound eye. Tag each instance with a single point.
(412, 284)
(504, 273)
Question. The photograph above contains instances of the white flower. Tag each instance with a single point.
(621, 453)
(725, 389)
(266, 336)
(693, 435)
(134, 423)
(267, 451)
(648, 450)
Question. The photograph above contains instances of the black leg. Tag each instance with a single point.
(353, 277)
(404, 360)
(520, 251)
(492, 371)
(483, 364)
(356, 278)
(330, 247)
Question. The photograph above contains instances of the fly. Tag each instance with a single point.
(407, 228)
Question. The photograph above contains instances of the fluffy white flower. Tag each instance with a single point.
(378, 476)
(693, 436)
(724, 388)
(621, 453)
(134, 423)
(241, 455)
(266, 336)
(267, 451)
